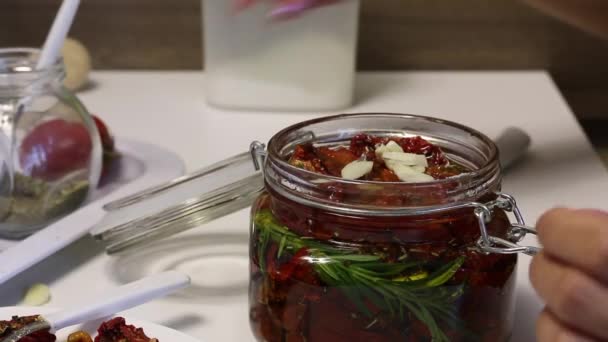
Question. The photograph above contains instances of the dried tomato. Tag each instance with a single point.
(55, 148)
(117, 329)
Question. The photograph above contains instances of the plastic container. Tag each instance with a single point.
(50, 148)
(302, 63)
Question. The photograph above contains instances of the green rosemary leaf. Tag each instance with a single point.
(344, 275)
(387, 269)
(327, 270)
(419, 313)
(384, 296)
(424, 316)
(263, 241)
(445, 273)
(430, 322)
(373, 297)
(449, 314)
(390, 304)
(450, 293)
(325, 278)
(281, 246)
(355, 257)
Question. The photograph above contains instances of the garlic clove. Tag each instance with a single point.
(391, 146)
(37, 295)
(409, 175)
(409, 159)
(392, 164)
(77, 61)
(419, 168)
(357, 169)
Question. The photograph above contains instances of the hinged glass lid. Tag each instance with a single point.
(183, 203)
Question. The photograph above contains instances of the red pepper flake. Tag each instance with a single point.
(117, 329)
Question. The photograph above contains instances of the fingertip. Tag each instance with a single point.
(550, 218)
(550, 329)
(546, 327)
(576, 237)
(533, 269)
(593, 212)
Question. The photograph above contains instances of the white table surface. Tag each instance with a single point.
(168, 108)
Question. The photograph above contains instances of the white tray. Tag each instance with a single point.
(142, 165)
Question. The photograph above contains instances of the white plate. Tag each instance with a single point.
(162, 333)
(141, 166)
(151, 163)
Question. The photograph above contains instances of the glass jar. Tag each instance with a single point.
(339, 260)
(352, 260)
(50, 147)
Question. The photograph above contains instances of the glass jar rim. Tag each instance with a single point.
(274, 153)
(302, 186)
(22, 63)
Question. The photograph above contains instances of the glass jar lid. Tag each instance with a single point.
(181, 204)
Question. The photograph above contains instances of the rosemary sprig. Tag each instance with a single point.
(396, 288)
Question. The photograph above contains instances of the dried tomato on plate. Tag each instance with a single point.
(117, 330)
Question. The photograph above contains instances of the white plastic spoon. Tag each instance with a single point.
(56, 36)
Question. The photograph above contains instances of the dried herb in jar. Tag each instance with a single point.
(35, 202)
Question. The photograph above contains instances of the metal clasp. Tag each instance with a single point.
(258, 154)
(518, 230)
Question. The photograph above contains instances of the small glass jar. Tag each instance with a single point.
(352, 260)
(50, 147)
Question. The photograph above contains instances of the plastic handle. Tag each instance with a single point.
(57, 34)
(512, 144)
(120, 299)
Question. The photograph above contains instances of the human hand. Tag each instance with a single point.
(571, 275)
(284, 8)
